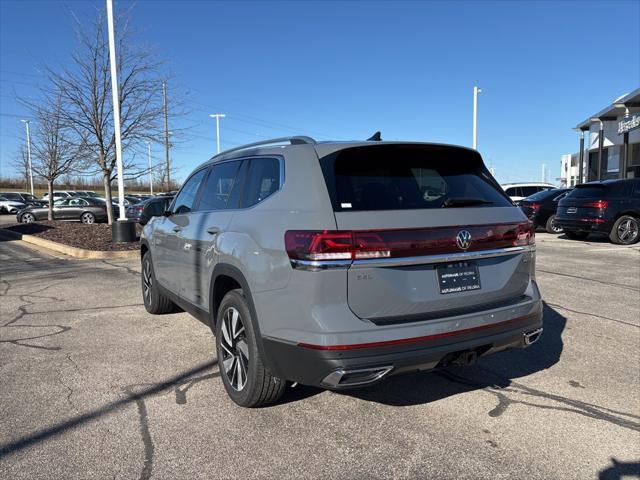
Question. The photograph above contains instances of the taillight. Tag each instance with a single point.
(138, 209)
(525, 234)
(601, 204)
(535, 206)
(326, 245)
(318, 245)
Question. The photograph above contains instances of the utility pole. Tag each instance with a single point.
(476, 91)
(150, 175)
(166, 134)
(26, 124)
(543, 172)
(217, 116)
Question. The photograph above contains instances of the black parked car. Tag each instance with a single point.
(541, 208)
(145, 210)
(610, 206)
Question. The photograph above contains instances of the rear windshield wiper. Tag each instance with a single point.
(463, 202)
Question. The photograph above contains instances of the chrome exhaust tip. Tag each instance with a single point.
(352, 378)
(532, 337)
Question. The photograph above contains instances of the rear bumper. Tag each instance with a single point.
(329, 367)
(584, 224)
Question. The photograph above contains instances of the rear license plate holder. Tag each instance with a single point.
(458, 277)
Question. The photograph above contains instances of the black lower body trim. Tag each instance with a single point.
(307, 366)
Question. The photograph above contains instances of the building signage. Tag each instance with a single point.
(630, 123)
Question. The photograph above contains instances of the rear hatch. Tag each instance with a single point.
(418, 217)
(587, 201)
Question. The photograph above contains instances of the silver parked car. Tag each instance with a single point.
(338, 264)
(84, 209)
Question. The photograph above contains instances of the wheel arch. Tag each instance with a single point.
(228, 277)
(631, 213)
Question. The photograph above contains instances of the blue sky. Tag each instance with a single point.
(343, 70)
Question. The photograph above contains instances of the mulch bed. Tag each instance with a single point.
(96, 236)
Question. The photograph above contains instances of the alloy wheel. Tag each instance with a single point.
(28, 218)
(555, 228)
(147, 282)
(235, 349)
(628, 230)
(87, 218)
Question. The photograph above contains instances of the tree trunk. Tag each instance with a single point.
(50, 189)
(106, 181)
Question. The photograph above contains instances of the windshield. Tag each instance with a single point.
(402, 177)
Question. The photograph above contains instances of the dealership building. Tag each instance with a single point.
(609, 144)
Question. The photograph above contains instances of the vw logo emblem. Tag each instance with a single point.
(463, 239)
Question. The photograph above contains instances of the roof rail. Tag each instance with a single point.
(296, 140)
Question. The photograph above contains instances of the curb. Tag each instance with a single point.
(67, 250)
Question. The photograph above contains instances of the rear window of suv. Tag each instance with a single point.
(601, 190)
(403, 177)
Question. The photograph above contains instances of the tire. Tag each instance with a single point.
(88, 218)
(27, 218)
(574, 235)
(247, 382)
(625, 231)
(550, 226)
(154, 302)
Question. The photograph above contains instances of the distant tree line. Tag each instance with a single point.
(72, 125)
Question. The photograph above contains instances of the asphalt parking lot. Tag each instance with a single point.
(91, 386)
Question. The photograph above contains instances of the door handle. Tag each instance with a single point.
(177, 229)
(213, 230)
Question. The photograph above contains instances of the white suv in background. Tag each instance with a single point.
(519, 191)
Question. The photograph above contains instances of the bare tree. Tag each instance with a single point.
(54, 152)
(86, 94)
(21, 165)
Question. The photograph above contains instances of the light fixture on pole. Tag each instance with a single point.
(26, 124)
(150, 175)
(476, 91)
(217, 116)
(622, 105)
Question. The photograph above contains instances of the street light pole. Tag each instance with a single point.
(476, 91)
(116, 109)
(217, 116)
(26, 124)
(150, 176)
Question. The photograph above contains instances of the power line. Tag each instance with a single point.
(10, 72)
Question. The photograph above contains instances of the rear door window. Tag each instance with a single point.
(218, 186)
(401, 177)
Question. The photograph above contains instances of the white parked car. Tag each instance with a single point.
(57, 194)
(10, 206)
(519, 191)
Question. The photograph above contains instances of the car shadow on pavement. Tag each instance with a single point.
(22, 229)
(618, 470)
(495, 371)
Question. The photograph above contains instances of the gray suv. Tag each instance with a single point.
(338, 264)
